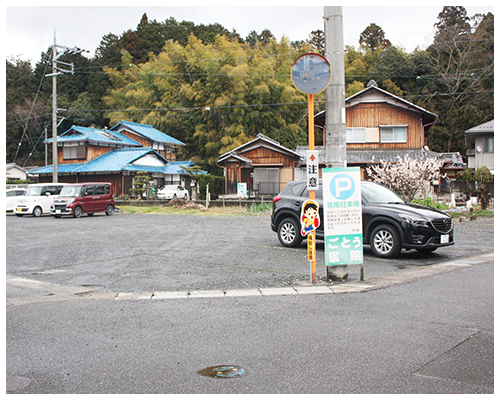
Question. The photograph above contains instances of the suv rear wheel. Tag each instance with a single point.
(289, 233)
(385, 241)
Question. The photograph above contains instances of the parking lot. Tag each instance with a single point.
(148, 252)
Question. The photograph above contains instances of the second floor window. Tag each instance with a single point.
(393, 134)
(488, 145)
(74, 152)
(355, 135)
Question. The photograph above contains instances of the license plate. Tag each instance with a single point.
(58, 211)
(445, 238)
(19, 209)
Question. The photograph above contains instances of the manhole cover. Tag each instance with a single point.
(223, 371)
(16, 383)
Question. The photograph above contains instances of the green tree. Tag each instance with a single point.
(461, 72)
(373, 38)
(394, 66)
(483, 176)
(316, 40)
(25, 114)
(140, 184)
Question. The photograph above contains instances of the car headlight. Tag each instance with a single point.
(415, 221)
(65, 201)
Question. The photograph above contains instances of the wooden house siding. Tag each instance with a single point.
(262, 163)
(145, 142)
(91, 153)
(379, 114)
(263, 156)
(140, 139)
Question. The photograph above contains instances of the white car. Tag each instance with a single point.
(37, 199)
(12, 196)
(172, 192)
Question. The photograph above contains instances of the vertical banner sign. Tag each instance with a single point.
(312, 166)
(311, 246)
(309, 220)
(342, 213)
(242, 190)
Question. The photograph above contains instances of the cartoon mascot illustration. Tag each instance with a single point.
(309, 217)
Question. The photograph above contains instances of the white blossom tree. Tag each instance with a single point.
(407, 176)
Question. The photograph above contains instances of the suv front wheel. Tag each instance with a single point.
(289, 233)
(385, 241)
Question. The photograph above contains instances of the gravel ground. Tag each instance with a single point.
(147, 252)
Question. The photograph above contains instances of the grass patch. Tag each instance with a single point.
(174, 210)
(430, 203)
(476, 211)
(181, 207)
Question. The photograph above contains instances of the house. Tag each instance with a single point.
(383, 127)
(116, 156)
(148, 136)
(263, 164)
(15, 172)
(379, 127)
(481, 138)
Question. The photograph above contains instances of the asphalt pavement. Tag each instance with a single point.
(88, 314)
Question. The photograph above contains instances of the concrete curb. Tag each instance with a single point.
(77, 293)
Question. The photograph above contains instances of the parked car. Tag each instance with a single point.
(37, 199)
(172, 192)
(12, 197)
(389, 222)
(84, 198)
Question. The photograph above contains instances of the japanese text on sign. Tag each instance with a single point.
(312, 167)
(342, 216)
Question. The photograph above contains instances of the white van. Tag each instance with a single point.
(37, 199)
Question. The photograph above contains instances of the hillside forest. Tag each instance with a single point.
(214, 90)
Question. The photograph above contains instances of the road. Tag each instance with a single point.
(430, 330)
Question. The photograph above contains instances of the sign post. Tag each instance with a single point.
(342, 214)
(311, 73)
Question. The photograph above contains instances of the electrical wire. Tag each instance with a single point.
(31, 111)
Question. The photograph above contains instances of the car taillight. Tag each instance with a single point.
(277, 198)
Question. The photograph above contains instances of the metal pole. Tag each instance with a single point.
(54, 112)
(312, 193)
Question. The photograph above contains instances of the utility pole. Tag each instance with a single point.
(335, 140)
(336, 156)
(54, 110)
(56, 70)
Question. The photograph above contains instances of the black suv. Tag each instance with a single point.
(389, 222)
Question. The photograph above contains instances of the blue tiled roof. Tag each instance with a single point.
(61, 168)
(149, 132)
(116, 160)
(125, 159)
(112, 161)
(176, 167)
(81, 133)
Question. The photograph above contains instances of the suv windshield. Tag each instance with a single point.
(377, 194)
(70, 191)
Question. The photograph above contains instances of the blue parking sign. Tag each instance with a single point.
(342, 216)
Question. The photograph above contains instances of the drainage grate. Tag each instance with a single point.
(43, 299)
(223, 371)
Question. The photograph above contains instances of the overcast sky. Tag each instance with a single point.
(30, 29)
